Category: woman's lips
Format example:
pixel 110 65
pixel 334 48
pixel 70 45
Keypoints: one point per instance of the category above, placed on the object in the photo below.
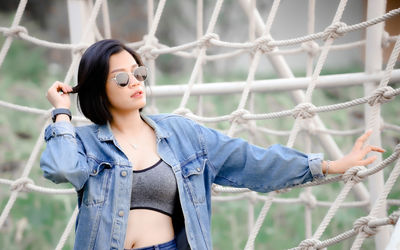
pixel 137 94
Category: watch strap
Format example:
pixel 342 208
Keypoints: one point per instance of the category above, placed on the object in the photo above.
pixel 60 111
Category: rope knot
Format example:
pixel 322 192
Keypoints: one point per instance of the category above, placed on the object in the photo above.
pixel 309 127
pixel 205 41
pixel 385 39
pixel 263 44
pixel 304 110
pixel 361 225
pixel 182 111
pixel 214 190
pixel 334 30
pixel 381 95
pixel 394 217
pixel 79 48
pixel 237 116
pixel 311 47
pixel 397 149
pixel 147 50
pixel 150 40
pixel 308 199
pixel 352 174
pixel 309 244
pixel 15 31
pixel 283 190
pixel 20 184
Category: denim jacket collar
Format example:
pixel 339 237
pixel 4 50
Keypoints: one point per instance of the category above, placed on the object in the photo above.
pixel 105 133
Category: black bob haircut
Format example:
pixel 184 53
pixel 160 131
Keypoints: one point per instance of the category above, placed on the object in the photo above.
pixel 92 78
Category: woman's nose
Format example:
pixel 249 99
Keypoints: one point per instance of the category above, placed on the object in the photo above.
pixel 133 82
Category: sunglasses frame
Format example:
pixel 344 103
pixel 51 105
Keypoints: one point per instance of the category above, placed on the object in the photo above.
pixel 129 79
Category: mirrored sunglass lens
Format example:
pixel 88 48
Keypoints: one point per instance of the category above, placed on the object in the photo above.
pixel 140 73
pixel 122 79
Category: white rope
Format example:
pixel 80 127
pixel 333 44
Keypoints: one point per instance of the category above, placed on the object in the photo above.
pixel 261 47
pixel 390 220
pixel 377 206
pixel 332 210
pixel 19 184
pixel 68 229
pixel 19 32
pixel 302 110
pixel 331 33
pixel 14 25
pixel 201 53
pixel 77 53
pixel 106 20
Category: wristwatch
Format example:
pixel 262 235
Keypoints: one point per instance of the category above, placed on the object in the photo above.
pixel 56 112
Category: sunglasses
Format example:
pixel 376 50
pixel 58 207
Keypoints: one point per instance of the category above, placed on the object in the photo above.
pixel 122 78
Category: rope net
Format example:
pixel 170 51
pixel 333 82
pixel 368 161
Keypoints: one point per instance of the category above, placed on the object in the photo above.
pixel 307 116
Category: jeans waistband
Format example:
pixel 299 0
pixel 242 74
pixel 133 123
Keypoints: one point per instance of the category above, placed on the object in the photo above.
pixel 170 245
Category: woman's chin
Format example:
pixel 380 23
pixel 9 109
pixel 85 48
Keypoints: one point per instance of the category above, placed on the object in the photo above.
pixel 140 105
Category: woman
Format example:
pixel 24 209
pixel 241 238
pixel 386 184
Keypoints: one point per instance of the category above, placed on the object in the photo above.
pixel 145 181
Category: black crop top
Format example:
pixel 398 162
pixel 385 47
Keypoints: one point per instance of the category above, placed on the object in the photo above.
pixel 155 188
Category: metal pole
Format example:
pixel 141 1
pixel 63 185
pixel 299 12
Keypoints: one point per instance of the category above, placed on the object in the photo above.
pixel 373 64
pixel 78 16
pixel 272 85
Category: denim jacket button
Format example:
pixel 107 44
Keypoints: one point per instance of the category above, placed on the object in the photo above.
pixel 94 171
pixel 121 213
pixel 198 169
pixel 123 173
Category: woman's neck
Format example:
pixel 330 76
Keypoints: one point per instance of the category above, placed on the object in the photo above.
pixel 128 124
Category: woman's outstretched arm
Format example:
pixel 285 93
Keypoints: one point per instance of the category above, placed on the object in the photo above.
pixel 235 162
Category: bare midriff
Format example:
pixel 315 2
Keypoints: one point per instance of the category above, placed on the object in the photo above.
pixel 147 228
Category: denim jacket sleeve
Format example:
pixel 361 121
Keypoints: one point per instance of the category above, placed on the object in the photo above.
pixel 237 163
pixel 64 159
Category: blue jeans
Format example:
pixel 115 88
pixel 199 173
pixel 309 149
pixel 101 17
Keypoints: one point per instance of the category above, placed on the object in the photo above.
pixel 170 245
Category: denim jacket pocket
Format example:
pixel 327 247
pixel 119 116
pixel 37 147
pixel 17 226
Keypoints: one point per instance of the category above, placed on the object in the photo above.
pixel 193 173
pixel 97 186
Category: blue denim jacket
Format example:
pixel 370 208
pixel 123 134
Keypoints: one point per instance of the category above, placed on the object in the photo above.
pixel 90 158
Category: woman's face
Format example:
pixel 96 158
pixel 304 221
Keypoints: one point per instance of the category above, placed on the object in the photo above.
pixel 130 97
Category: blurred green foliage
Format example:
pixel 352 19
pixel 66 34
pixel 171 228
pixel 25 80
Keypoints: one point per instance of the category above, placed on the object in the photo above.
pixel 21 66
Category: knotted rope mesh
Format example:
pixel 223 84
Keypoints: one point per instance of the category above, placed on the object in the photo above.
pixel 305 113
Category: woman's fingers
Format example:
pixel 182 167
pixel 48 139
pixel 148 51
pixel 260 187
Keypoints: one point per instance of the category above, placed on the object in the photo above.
pixel 362 139
pixel 377 149
pixel 367 161
pixel 65 89
pixel 59 86
pixel 370 148
pixel 359 151
pixel 58 96
pixel 55 87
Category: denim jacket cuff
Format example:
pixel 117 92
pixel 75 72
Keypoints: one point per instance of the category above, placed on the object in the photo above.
pixel 315 164
pixel 58 129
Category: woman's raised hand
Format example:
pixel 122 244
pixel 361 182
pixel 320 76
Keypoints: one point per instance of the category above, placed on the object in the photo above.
pixel 355 157
pixel 58 95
